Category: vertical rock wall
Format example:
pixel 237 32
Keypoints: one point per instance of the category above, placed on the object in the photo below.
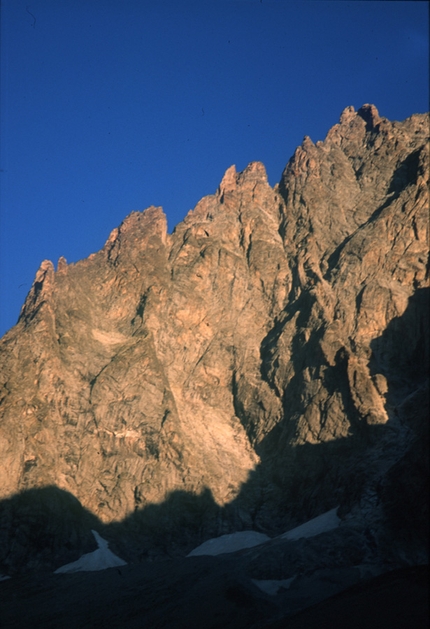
pixel 247 370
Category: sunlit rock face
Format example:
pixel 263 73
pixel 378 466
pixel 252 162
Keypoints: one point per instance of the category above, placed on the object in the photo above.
pixel 250 370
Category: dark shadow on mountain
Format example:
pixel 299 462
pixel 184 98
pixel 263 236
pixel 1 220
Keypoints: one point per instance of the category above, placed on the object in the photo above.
pixel 398 599
pixel 406 173
pixel 401 354
pixel 48 527
pixel 317 477
pixel 167 529
pixel 44 529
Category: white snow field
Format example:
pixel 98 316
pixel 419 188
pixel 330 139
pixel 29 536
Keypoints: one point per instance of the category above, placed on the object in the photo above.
pixel 229 543
pixel 272 586
pixel 99 559
pixel 321 524
pixel 247 539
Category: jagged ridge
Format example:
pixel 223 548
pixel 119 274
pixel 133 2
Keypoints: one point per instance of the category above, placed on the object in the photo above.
pixel 250 360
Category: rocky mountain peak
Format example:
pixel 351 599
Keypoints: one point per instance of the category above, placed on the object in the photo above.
pixel 40 292
pixel 370 115
pixel 262 364
pixel 139 230
pixel 229 181
pixel 347 115
pixel 234 183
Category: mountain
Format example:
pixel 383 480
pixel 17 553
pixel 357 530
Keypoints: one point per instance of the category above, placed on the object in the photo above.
pixel 261 365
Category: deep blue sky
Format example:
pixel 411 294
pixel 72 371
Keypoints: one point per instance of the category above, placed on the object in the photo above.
pixel 110 106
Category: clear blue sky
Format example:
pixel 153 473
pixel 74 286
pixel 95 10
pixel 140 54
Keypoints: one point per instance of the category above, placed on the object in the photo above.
pixel 109 106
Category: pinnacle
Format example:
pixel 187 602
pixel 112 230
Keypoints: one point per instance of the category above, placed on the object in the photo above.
pixel 229 181
pixel 370 115
pixel 255 171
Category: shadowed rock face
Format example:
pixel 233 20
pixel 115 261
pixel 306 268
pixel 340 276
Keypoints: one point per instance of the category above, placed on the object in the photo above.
pixel 257 363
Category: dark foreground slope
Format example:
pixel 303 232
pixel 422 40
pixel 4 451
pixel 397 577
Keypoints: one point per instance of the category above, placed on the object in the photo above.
pixel 211 593
pixel 266 362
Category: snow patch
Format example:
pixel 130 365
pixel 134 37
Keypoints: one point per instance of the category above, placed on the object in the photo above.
pixel 321 524
pixel 272 586
pixel 3 577
pixel 99 559
pixel 247 539
pixel 229 543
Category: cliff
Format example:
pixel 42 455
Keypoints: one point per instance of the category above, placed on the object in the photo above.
pixel 262 364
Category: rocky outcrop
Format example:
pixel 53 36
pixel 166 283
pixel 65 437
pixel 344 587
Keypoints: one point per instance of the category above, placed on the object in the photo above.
pixel 250 370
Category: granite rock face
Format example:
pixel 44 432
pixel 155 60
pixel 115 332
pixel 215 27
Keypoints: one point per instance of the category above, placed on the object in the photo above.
pixel 263 363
